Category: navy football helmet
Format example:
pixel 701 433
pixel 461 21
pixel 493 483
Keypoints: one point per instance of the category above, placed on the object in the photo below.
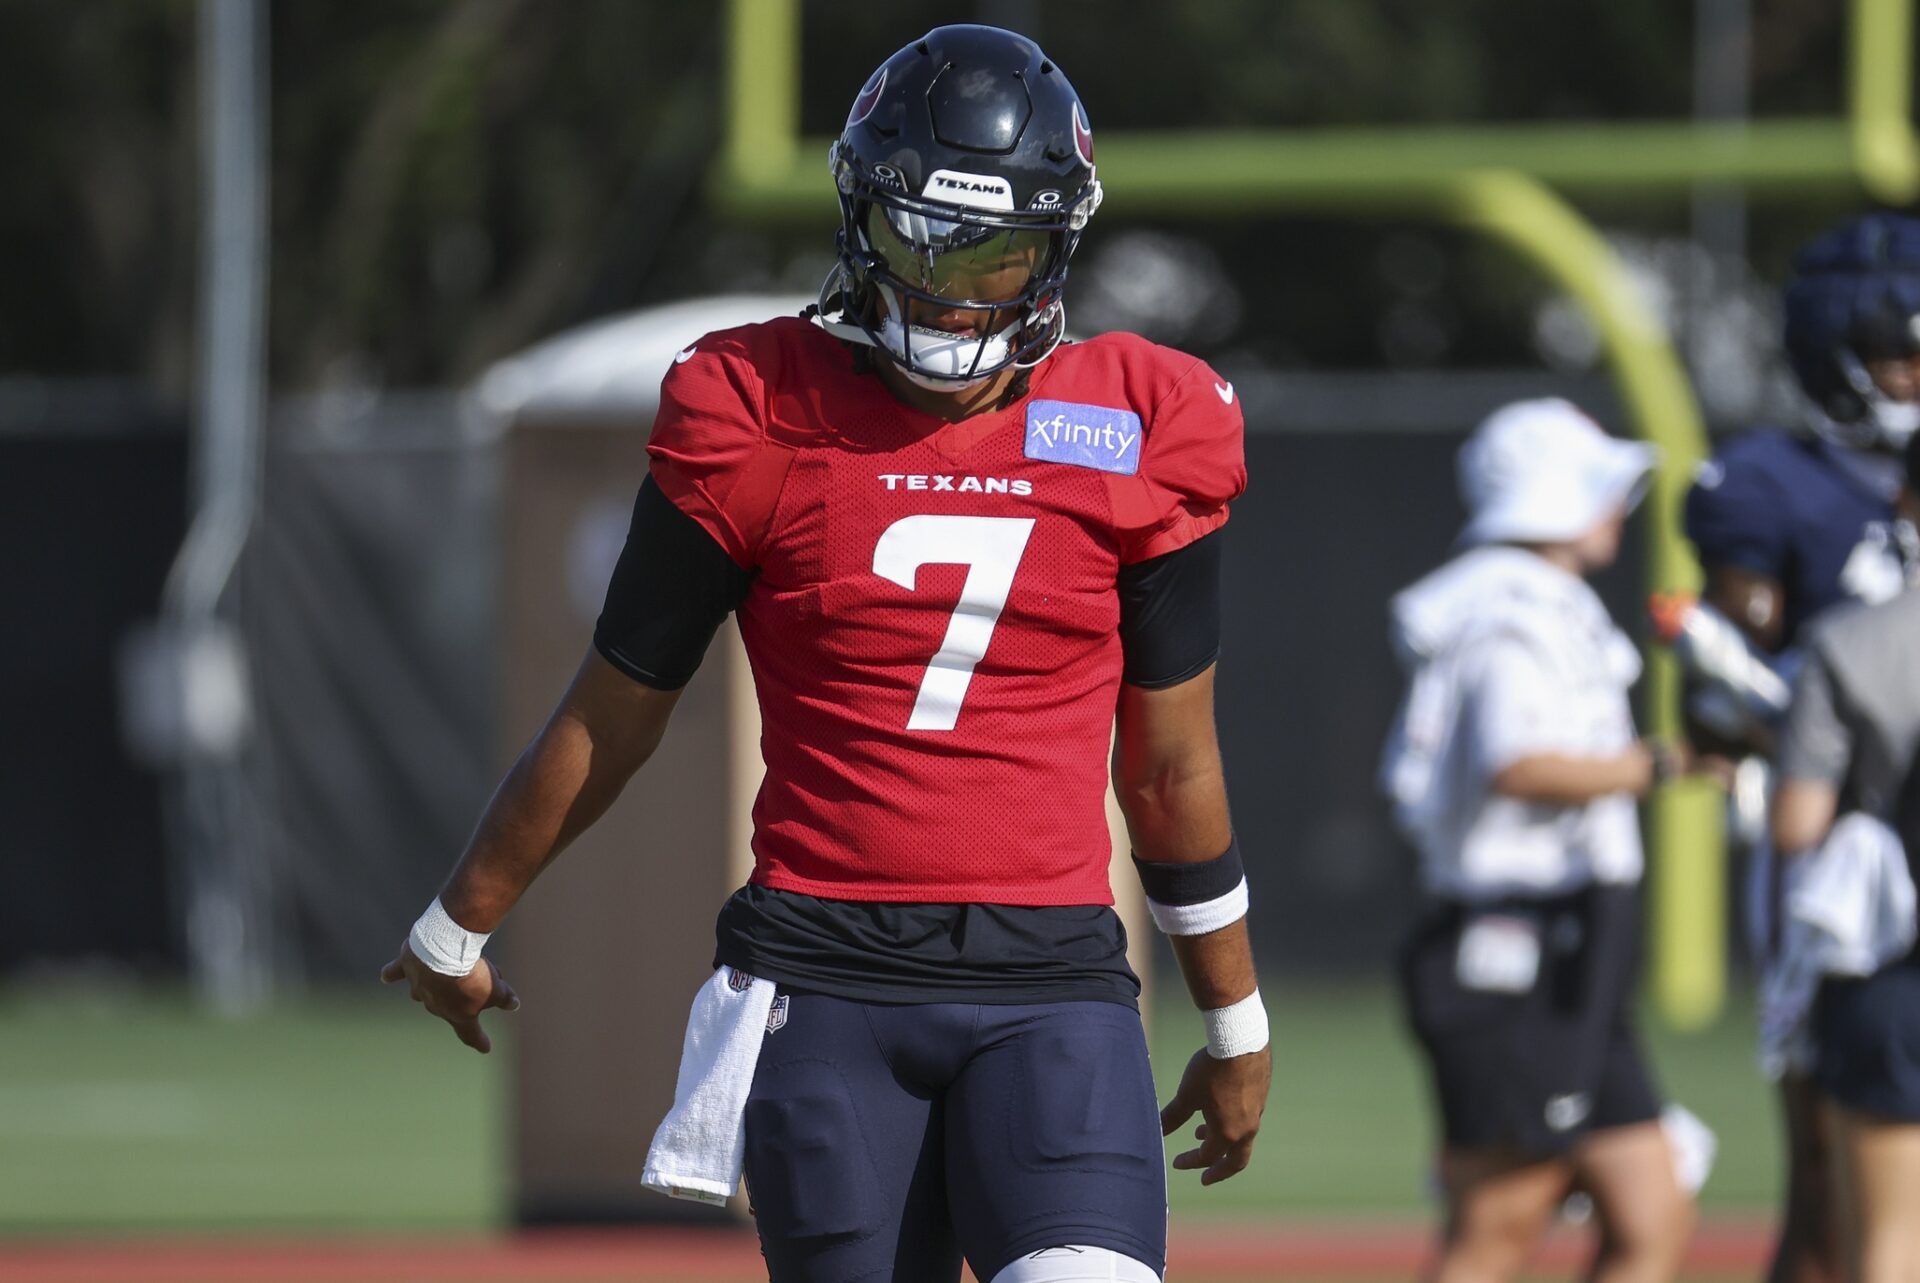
pixel 965 174
pixel 1855 298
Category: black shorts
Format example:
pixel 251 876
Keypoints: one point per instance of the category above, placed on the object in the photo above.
pixel 888 1141
pixel 1534 1068
pixel 1867 1034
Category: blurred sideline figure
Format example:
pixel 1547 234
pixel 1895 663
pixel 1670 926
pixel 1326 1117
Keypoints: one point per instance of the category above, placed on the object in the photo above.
pixel 1787 525
pixel 1514 768
pixel 955 547
pixel 1847 816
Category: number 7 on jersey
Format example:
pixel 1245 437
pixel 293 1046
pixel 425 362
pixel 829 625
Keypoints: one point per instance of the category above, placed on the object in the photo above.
pixel 990 548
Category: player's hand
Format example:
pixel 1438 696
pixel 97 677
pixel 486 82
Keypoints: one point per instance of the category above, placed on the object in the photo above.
pixel 1717 767
pixel 458 1000
pixel 1229 1095
pixel 1687 761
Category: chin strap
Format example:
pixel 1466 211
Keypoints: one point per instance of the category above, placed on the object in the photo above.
pixel 1887 423
pixel 830 308
pixel 830 314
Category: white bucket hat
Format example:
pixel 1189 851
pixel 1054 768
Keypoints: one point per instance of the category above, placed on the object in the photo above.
pixel 1543 472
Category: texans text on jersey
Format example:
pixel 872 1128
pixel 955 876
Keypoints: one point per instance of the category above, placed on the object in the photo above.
pixel 957 484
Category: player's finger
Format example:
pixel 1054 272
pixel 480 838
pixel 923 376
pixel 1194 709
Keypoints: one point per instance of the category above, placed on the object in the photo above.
pixel 503 995
pixel 1206 1155
pixel 1232 1164
pixel 470 1032
pixel 1177 1112
pixel 1200 1132
pixel 392 971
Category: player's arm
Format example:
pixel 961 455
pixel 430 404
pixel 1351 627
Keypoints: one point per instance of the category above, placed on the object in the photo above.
pixel 1736 517
pixel 1753 600
pixel 670 591
pixel 1524 747
pixel 1563 779
pixel 1816 751
pixel 604 728
pixel 1172 791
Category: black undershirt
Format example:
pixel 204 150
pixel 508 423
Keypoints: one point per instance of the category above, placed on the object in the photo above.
pixel 671 590
pixel 876 952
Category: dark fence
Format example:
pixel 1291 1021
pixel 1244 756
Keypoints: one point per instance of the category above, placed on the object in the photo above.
pixel 92 506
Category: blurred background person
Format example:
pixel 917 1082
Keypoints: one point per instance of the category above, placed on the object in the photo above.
pixel 1787 524
pixel 1514 768
pixel 1847 815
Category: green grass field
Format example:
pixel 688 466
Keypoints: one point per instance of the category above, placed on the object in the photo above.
pixel 351 1111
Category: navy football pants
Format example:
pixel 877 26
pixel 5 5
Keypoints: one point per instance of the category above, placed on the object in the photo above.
pixel 883 1142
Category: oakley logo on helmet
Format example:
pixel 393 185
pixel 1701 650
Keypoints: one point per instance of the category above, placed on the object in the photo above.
pixel 1048 199
pixel 888 175
pixel 979 191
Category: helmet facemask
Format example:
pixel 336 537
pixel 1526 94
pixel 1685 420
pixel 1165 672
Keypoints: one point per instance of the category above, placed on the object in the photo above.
pixel 951 294
pixel 1887 424
pixel 1889 331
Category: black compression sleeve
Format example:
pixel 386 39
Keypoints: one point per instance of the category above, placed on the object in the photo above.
pixel 1170 614
pixel 670 591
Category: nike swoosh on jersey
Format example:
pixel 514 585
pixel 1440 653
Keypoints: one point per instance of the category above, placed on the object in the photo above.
pixel 1226 392
pixel 683 356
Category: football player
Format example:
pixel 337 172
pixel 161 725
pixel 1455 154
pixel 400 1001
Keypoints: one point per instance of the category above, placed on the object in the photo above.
pixel 1790 524
pixel 1849 805
pixel 958 548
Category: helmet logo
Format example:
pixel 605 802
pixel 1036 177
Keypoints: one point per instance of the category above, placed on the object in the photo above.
pixel 869 97
pixel 980 191
pixel 1082 135
pixel 1048 199
pixel 888 176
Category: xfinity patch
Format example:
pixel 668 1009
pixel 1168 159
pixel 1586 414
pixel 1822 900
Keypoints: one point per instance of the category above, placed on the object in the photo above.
pixel 1084 436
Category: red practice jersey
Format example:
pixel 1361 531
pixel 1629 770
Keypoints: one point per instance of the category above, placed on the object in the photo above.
pixel 933 625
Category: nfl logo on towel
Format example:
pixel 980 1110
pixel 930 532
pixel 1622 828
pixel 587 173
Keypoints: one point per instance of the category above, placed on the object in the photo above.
pixel 738 980
pixel 777 1014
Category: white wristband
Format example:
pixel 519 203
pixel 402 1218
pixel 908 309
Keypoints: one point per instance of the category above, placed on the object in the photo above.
pixel 443 944
pixel 1239 1030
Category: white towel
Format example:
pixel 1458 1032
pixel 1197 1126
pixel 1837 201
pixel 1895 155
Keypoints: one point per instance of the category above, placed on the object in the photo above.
pixel 701 1145
pixel 1858 896
pixel 1694 1146
pixel 1849 912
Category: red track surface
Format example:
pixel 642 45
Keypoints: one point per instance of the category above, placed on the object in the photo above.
pixel 1229 1252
